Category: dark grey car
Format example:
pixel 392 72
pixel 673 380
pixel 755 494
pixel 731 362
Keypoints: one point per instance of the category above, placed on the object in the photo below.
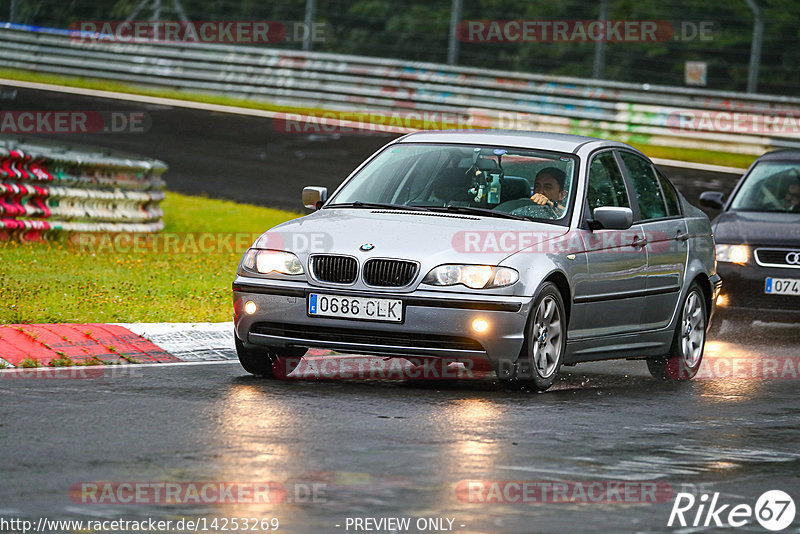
pixel 758 241
pixel 434 248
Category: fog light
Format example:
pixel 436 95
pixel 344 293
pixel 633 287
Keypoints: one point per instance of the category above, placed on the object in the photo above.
pixel 722 301
pixel 250 307
pixel 480 325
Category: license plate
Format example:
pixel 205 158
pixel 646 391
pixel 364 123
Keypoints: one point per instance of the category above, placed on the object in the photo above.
pixel 369 309
pixel 782 286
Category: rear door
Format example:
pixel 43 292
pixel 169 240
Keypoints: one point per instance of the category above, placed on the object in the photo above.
pixel 658 212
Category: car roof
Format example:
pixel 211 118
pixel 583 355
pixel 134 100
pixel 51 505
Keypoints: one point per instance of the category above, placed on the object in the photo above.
pixel 782 154
pixel 517 138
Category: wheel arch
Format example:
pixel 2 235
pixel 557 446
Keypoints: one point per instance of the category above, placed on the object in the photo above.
pixel 702 280
pixel 562 283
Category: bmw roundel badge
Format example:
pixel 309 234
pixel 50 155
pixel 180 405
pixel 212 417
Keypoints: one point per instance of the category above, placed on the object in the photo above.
pixel 366 247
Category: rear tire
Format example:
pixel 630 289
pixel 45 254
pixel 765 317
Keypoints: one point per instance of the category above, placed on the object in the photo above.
pixel 545 343
pixel 686 353
pixel 265 361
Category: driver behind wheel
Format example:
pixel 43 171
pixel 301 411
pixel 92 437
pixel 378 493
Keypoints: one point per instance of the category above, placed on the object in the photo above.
pixel 792 197
pixel 548 189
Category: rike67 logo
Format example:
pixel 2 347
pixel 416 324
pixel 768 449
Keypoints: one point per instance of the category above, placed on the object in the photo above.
pixel 774 510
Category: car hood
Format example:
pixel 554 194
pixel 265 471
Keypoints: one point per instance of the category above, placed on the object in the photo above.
pixel 757 228
pixel 431 238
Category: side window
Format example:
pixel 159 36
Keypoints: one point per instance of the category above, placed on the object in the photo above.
pixel 606 186
pixel 645 186
pixel 673 206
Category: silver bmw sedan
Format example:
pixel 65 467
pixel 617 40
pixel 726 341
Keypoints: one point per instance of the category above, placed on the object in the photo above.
pixel 524 250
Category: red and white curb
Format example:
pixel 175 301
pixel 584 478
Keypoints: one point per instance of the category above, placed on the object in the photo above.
pixel 189 342
pixel 63 351
pixel 43 345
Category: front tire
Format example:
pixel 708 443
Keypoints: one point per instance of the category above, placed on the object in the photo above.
pixel 686 353
pixel 265 361
pixel 545 342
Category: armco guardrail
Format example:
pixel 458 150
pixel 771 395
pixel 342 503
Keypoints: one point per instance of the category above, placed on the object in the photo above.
pixel 655 115
pixel 45 188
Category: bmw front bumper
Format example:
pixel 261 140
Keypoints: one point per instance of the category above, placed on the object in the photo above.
pixel 435 323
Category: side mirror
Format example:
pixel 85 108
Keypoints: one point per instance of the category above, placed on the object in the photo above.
pixel 314 196
pixel 712 199
pixel 612 218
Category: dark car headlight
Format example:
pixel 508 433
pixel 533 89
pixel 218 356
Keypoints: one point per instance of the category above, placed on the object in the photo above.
pixel 733 253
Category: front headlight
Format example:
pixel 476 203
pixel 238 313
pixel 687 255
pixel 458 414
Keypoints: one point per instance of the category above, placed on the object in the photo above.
pixel 733 253
pixel 472 276
pixel 272 261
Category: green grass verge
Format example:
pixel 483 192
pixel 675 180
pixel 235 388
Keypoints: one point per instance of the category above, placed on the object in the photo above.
pixel 727 159
pixel 679 154
pixel 60 281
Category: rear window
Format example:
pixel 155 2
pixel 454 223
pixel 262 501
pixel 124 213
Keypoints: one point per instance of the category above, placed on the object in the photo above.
pixel 646 186
pixel 670 196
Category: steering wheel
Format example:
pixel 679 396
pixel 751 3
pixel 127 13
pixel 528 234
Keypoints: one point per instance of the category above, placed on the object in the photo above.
pixel 528 208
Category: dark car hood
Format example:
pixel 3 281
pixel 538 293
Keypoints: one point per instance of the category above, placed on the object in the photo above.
pixel 757 228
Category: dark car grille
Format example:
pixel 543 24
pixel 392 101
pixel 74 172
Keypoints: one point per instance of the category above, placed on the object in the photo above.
pixel 366 337
pixel 777 257
pixel 389 273
pixel 335 269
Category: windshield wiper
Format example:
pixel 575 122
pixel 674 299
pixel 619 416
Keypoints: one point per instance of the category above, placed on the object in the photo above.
pixel 482 211
pixel 379 205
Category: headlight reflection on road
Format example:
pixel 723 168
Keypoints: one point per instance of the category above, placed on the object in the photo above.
pixel 729 374
pixel 468 419
pixel 254 428
pixel 473 446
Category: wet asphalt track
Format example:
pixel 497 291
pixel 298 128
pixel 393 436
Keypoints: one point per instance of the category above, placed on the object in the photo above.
pixel 388 449
pixel 382 449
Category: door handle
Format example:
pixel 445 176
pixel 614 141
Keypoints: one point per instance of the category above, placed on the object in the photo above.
pixel 682 237
pixel 637 243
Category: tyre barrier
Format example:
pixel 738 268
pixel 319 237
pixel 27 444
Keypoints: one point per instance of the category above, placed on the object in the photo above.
pixel 641 113
pixel 48 189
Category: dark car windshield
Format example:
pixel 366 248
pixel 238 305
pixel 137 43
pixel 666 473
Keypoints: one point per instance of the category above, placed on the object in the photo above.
pixel 770 186
pixel 448 177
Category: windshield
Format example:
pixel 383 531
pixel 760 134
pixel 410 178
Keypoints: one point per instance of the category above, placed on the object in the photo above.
pixel 770 186
pixel 496 180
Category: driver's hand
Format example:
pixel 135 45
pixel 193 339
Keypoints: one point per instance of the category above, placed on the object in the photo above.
pixel 542 200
